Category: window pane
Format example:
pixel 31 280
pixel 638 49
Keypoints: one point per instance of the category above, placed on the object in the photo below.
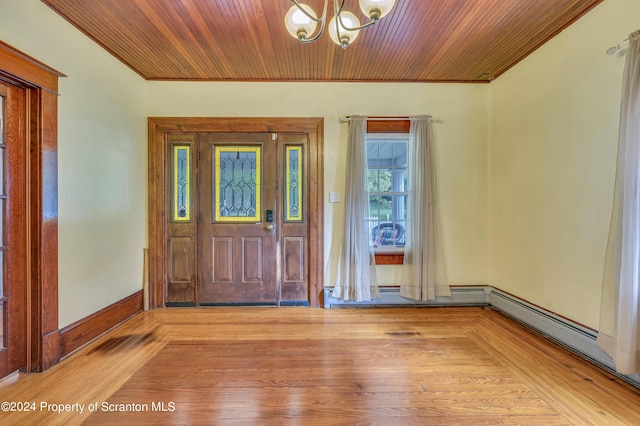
pixel 384 207
pixel 2 101
pixel 399 180
pixel 2 141
pixel 237 184
pixel 2 224
pixel 2 156
pixel 372 227
pixel 181 184
pixel 385 180
pixel 293 188
pixel 400 154
pixel 388 234
pixel 399 207
pixel 372 180
pixel 3 205
pixel 374 207
pixel 386 153
pixel 2 316
pixel 372 154
pixel 402 232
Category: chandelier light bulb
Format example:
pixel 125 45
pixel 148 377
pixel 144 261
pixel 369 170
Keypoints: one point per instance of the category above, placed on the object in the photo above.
pixel 298 24
pixel 346 36
pixel 376 9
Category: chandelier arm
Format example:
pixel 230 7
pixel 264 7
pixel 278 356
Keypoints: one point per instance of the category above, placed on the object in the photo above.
pixel 338 12
pixel 308 15
pixel 322 20
pixel 317 36
pixel 368 24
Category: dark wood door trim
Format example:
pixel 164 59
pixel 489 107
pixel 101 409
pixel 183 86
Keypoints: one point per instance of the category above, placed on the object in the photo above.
pixel 40 166
pixel 160 127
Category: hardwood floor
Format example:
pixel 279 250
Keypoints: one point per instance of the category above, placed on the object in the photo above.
pixel 314 366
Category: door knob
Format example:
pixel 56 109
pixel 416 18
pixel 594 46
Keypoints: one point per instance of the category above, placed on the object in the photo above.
pixel 270 227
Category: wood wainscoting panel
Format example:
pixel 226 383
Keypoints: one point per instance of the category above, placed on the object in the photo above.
pixel 87 329
pixel 294 282
pixel 293 259
pixel 252 257
pixel 182 275
pixel 180 252
pixel 222 261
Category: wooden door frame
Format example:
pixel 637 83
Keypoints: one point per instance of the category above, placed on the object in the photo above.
pixel 40 166
pixel 160 127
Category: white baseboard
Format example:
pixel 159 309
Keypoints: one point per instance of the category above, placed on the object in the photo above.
pixel 573 336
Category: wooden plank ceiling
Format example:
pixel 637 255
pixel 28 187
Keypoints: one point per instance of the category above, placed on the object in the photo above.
pixel 245 40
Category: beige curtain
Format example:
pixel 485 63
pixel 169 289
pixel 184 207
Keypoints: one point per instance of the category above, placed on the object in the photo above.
pixel 619 333
pixel 424 274
pixel 357 268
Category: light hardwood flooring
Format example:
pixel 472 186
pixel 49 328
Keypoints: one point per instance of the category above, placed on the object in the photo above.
pixel 302 366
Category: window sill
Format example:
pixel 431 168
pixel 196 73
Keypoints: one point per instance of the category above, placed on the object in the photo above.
pixel 389 258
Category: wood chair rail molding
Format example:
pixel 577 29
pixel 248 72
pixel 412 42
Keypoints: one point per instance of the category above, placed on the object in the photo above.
pixel 40 83
pixel 159 127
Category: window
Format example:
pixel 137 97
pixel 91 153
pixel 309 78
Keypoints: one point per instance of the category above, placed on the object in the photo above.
pixel 387 185
pixel 181 183
pixel 293 205
pixel 236 187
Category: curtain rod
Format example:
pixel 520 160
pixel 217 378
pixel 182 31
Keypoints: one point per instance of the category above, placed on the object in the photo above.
pixel 382 118
pixel 615 49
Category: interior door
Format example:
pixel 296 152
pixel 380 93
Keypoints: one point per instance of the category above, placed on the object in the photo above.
pixel 13 334
pixel 238 223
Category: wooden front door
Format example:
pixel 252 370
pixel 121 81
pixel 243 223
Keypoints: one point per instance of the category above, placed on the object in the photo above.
pixel 238 219
pixel 239 233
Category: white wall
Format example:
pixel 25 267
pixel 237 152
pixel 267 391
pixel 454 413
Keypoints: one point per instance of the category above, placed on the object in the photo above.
pixel 102 159
pixel 553 151
pixel 461 143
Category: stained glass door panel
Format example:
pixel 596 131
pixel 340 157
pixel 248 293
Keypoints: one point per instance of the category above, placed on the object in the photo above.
pixel 237 183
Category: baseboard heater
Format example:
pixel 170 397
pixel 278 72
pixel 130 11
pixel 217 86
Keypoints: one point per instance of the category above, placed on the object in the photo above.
pixel 390 296
pixel 575 337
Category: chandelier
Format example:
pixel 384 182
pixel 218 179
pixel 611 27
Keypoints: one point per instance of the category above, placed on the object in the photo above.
pixel 301 21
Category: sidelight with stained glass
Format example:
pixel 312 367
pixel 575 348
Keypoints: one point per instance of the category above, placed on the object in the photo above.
pixel 236 186
pixel 181 184
pixel 293 201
